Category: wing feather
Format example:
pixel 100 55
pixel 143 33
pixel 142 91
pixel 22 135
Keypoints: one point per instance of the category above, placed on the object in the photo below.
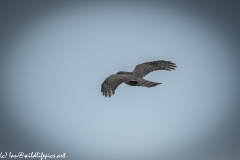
pixel 111 83
pixel 143 69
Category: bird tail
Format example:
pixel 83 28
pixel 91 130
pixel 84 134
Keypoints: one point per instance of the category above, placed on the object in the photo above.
pixel 146 83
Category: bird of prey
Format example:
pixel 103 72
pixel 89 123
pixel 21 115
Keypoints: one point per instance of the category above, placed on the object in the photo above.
pixel 135 78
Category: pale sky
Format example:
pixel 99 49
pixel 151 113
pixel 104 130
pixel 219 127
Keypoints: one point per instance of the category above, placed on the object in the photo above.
pixel 56 66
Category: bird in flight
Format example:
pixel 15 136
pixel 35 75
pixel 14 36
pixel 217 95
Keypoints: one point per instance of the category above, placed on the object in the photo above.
pixel 135 78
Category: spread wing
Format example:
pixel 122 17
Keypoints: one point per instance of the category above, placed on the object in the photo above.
pixel 143 69
pixel 112 82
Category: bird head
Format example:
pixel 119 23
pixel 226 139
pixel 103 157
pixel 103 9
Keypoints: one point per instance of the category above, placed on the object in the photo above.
pixel 121 72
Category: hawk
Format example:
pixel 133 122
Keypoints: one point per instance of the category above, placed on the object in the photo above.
pixel 135 78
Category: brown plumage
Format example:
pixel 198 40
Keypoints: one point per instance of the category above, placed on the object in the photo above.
pixel 135 78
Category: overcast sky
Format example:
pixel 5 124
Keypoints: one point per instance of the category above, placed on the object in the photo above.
pixel 55 66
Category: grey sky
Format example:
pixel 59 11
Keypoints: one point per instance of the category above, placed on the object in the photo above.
pixel 55 68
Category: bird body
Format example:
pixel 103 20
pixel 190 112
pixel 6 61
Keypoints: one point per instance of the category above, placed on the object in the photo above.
pixel 135 78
